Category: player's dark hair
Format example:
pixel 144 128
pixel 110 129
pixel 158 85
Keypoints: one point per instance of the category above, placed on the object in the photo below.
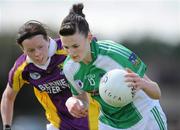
pixel 74 21
pixel 30 29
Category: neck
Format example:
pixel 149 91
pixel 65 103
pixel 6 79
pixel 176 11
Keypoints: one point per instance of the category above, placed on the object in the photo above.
pixel 88 58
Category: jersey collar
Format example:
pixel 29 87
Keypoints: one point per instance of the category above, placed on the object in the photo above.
pixel 94 50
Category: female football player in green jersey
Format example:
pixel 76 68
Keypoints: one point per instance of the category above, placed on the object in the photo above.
pixel 86 63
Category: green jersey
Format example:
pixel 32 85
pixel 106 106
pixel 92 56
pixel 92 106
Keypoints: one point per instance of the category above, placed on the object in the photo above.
pixel 108 55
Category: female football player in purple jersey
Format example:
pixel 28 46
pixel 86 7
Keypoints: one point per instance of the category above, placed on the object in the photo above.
pixel 40 65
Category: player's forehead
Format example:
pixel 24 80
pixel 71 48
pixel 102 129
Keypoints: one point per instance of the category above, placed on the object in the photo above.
pixel 71 40
pixel 34 41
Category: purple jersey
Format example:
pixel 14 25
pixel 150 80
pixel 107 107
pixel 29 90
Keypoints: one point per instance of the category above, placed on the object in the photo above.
pixel 51 88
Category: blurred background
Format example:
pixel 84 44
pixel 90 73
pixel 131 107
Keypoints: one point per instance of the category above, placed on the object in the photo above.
pixel 151 28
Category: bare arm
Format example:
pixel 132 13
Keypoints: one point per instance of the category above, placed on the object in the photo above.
pixel 78 105
pixel 150 87
pixel 7 105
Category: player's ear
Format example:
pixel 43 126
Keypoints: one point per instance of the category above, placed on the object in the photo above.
pixel 89 37
pixel 25 52
pixel 22 48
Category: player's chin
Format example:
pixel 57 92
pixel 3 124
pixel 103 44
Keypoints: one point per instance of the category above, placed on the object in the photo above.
pixel 82 115
pixel 40 61
pixel 79 115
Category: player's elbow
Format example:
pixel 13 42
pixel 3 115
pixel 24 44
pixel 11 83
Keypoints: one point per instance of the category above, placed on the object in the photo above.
pixel 156 94
pixel 9 95
pixel 156 91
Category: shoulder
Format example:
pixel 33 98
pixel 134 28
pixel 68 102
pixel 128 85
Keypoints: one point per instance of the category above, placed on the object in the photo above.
pixel 20 63
pixel 19 66
pixel 70 67
pixel 16 72
pixel 60 50
pixel 59 43
pixel 108 43
pixel 112 45
pixel 111 48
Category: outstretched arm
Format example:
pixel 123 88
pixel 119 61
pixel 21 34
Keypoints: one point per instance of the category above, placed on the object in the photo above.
pixel 7 105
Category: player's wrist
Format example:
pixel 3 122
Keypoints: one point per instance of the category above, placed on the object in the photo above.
pixel 6 127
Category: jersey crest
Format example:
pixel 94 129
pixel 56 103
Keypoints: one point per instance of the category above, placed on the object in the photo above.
pixel 133 58
pixel 79 84
pixel 35 75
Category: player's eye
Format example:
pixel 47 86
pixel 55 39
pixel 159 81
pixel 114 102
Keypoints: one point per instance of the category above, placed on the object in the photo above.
pixel 65 47
pixel 40 47
pixel 31 50
pixel 75 46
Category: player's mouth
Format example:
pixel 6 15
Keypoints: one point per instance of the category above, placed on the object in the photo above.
pixel 74 57
pixel 40 61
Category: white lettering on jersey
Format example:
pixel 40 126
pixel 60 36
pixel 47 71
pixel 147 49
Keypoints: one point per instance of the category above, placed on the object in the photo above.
pixel 54 87
pixel 91 79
